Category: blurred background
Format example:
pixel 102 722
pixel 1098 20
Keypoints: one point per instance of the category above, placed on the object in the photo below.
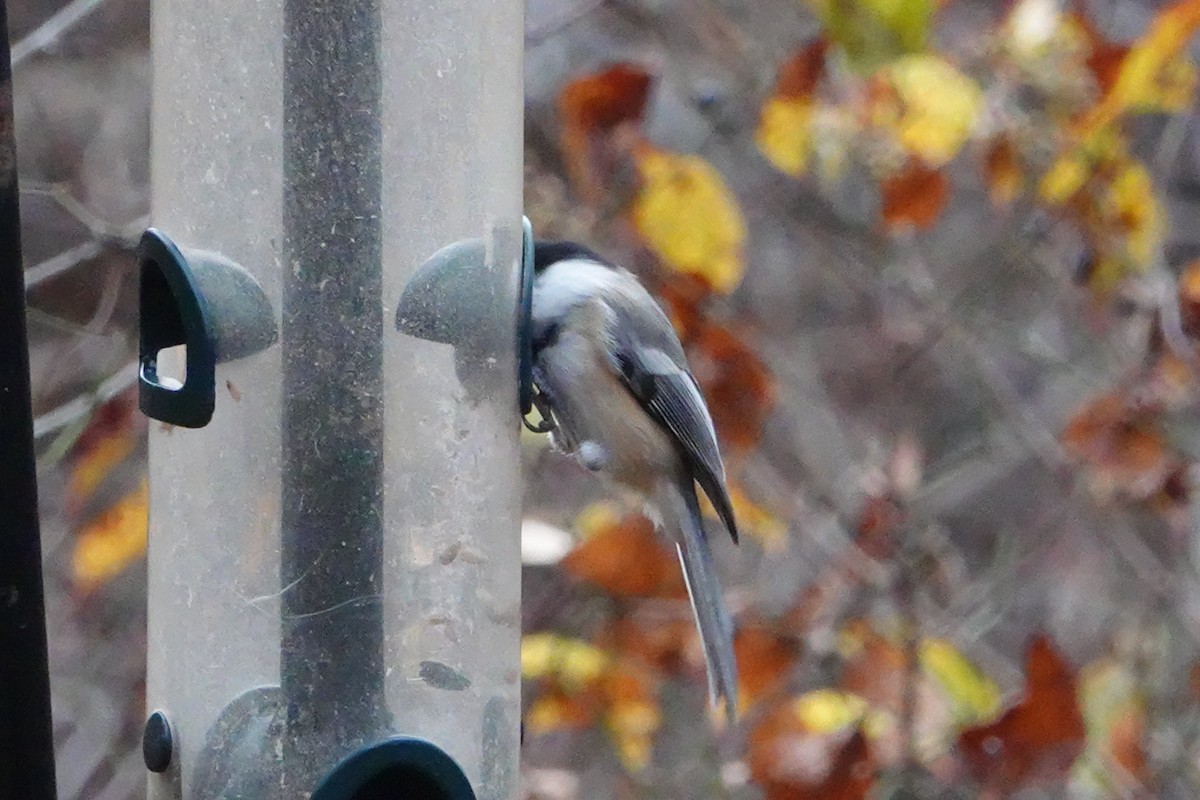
pixel 936 264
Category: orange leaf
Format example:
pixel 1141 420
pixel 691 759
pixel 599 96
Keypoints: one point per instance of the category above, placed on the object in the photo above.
pixel 1124 744
pixel 800 74
pixel 604 99
pixel 1036 740
pixel 112 541
pixel 1104 56
pixel 1124 454
pixel 1189 298
pixel 661 644
pixel 632 716
pixel 765 659
pixel 628 559
pixel 592 106
pixel 914 196
pixel 556 709
pixel 790 762
pixel 875 668
pixel 739 389
pixel 112 433
pixel 1002 166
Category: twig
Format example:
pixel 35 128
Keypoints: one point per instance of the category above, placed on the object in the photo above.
pixel 46 35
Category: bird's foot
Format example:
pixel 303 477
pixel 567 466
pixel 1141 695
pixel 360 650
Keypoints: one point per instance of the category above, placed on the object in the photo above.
pixel 542 404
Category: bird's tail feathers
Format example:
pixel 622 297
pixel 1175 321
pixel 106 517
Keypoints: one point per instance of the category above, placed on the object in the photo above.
pixel 708 605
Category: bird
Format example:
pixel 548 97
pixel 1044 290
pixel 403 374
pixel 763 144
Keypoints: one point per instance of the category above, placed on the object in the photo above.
pixel 615 392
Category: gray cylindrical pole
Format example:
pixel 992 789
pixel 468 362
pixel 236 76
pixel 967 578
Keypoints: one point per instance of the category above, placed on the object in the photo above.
pixel 334 559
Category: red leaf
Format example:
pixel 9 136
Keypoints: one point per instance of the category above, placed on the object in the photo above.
pixel 914 196
pixel 591 107
pixel 800 74
pixel 1036 740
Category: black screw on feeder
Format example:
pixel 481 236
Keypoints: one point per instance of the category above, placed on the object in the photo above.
pixel 158 745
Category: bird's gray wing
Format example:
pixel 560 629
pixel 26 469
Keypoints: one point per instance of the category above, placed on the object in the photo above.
pixel 672 398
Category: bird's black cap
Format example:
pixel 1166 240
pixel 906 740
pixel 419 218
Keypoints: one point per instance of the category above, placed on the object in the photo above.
pixel 547 252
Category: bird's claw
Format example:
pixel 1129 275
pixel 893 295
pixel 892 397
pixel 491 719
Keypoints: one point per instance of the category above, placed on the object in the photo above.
pixel 542 404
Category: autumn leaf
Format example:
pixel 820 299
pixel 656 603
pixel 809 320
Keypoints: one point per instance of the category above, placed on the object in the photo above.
pixel 914 196
pixel 1112 196
pixel 764 527
pixel 689 218
pixel 1124 454
pixel 1154 75
pixel 878 526
pixel 112 541
pixel 1039 738
pixel 874 668
pixel 1130 204
pixel 811 749
pixel 1189 299
pixel 975 697
pixel 872 32
pixel 1105 57
pixel 928 104
pixel 765 659
pixel 632 717
pixel 590 107
pixel 582 685
pixel 554 709
pixel 784 134
pixel 950 692
pixel 1003 170
pixel 669 645
pixel 737 385
pixel 113 433
pixel 625 557
pixel 573 662
pixel 1115 716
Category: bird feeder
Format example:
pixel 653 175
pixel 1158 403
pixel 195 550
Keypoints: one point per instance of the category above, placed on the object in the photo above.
pixel 334 601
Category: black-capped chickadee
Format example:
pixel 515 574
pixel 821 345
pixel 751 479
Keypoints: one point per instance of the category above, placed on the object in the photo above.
pixel 613 381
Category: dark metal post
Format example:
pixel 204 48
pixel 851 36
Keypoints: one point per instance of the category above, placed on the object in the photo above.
pixel 332 532
pixel 26 733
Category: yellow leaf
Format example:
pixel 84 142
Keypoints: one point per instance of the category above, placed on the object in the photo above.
pixel 632 724
pixel 829 710
pixel 871 32
pixel 1076 165
pixel 974 695
pixel 554 711
pixel 689 217
pixel 91 469
pixel 1065 177
pixel 933 109
pixel 1154 75
pixel 572 661
pixel 112 541
pixel 1131 203
pixel 784 135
